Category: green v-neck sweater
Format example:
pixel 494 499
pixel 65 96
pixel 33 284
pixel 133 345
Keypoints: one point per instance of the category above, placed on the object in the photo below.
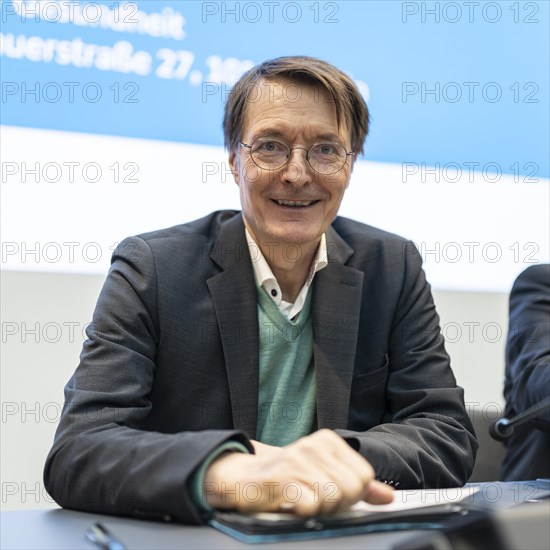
pixel 286 399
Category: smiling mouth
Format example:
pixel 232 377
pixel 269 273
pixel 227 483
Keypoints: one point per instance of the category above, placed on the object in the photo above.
pixel 295 204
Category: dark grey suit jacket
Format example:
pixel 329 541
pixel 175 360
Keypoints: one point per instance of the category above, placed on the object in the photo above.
pixel 170 368
pixel 528 374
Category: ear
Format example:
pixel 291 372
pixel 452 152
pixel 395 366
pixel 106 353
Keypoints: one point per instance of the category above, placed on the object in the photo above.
pixel 234 165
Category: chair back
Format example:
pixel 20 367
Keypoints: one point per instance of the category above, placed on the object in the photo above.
pixel 490 453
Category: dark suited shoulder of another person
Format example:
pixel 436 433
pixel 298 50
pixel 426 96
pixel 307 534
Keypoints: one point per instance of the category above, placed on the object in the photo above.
pixel 528 374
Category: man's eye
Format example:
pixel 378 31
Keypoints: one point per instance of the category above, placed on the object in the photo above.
pixel 268 147
pixel 327 149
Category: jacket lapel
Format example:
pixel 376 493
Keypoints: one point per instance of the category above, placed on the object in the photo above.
pixel 336 305
pixel 233 292
pixel 337 291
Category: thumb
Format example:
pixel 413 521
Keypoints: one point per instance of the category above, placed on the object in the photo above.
pixel 378 493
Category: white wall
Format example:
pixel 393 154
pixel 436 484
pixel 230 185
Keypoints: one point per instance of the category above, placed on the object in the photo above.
pixel 476 232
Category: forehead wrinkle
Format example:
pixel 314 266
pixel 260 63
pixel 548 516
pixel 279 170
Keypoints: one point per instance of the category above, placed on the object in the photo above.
pixel 287 121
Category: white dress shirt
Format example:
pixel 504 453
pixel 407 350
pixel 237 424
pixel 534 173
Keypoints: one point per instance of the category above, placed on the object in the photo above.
pixel 265 278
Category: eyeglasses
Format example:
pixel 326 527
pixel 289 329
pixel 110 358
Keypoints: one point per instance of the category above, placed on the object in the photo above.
pixel 271 154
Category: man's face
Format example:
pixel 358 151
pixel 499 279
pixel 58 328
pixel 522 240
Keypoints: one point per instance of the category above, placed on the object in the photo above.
pixel 301 116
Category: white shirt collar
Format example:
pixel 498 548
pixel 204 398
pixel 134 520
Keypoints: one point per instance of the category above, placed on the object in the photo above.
pixel 265 278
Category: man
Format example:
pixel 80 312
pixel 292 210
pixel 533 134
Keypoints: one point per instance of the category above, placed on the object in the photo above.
pixel 274 359
pixel 527 379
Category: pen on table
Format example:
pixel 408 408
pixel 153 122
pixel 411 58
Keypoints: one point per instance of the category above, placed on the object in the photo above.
pixel 103 538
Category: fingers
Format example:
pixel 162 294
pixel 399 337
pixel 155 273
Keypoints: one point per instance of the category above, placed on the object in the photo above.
pixel 378 493
pixel 318 474
pixel 333 475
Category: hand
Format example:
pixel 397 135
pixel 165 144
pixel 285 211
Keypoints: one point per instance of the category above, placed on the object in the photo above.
pixel 318 474
pixel 263 449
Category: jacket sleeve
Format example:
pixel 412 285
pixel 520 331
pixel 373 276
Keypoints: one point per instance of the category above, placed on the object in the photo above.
pixel 101 461
pixel 528 346
pixel 426 438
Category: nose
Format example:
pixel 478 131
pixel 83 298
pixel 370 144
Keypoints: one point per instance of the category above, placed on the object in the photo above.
pixel 297 171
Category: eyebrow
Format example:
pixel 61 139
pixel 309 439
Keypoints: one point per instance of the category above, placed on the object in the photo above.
pixel 279 134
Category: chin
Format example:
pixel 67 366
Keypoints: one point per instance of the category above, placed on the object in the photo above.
pixel 294 236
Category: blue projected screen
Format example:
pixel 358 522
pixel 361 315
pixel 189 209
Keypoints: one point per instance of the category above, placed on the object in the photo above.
pixel 111 122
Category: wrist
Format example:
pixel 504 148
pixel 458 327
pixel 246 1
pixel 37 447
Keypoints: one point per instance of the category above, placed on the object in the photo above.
pixel 220 489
